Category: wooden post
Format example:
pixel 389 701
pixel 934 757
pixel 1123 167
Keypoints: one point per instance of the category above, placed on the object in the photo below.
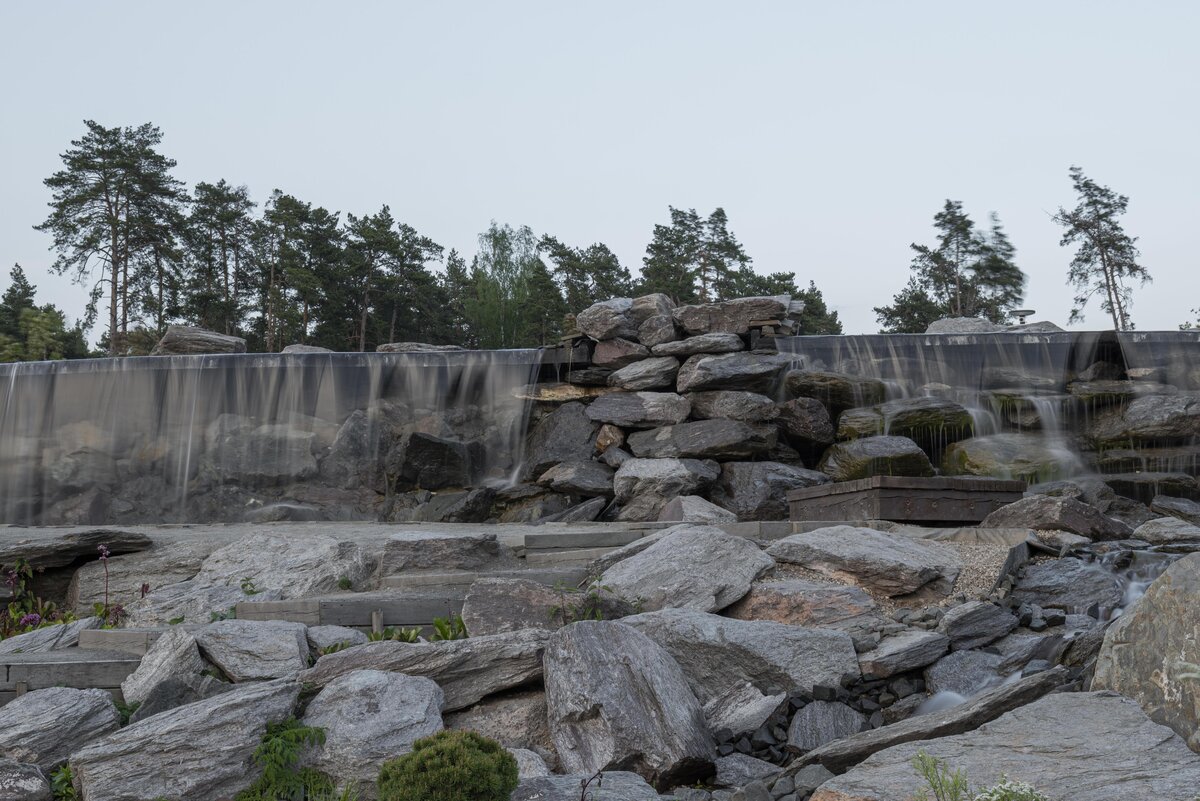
pixel 377 621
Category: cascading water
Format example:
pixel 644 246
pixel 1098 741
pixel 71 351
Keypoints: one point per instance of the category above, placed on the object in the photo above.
pixel 201 438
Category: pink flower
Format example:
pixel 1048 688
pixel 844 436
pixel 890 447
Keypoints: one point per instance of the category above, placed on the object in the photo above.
pixel 103 549
pixel 31 619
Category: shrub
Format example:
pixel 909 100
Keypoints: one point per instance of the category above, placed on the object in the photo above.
pixel 1008 790
pixel 450 766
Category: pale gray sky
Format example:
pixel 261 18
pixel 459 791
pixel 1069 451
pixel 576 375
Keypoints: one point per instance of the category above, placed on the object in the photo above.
pixel 830 132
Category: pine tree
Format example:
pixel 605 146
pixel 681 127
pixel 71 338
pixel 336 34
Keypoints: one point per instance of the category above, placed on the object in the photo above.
pixel 112 204
pixel 459 291
pixel 586 275
pixel 723 268
pixel 816 317
pixel 672 257
pixel 218 242
pixel 18 297
pixel 1106 256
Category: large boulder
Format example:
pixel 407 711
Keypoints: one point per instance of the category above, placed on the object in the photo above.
pixel 1029 457
pixel 46 548
pixel 717 653
pixel 1068 583
pixel 875 456
pixel 1150 420
pixel 758 490
pixel 731 316
pixel 1182 508
pixel 891 564
pixel 837 391
pixel 211 744
pixel 749 407
pixel 694 509
pixel 647 485
pixel 369 717
pixel 566 434
pixel 822 722
pixel 656 304
pixel 975 624
pixel 1043 512
pixel 1163 531
pixel 614 354
pixel 608 319
pixel 1152 653
pixel 450 549
pixel 514 719
pixel 426 461
pixel 191 602
pixel 963 325
pixel 751 372
pixel 798 602
pixel 23 782
pixel 932 423
pixel 616 785
pixel 254 650
pixel 805 423
pixel 653 373
pixel 703 343
pixel 902 652
pixel 44 727
pixel 586 478
pixel 174 657
pixel 639 409
pixel 49 638
pixel 297 566
pixel 703 439
pixel 499 605
pixel 241 452
pixel 188 340
pixel 696 567
pixel 1077 746
pixel 467 670
pixel 616 700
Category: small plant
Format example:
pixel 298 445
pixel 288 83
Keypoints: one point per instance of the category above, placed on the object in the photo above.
pixel 62 784
pixel 451 628
pixel 333 649
pixel 598 778
pixel 228 614
pixel 126 710
pixel 1008 790
pixel 282 778
pixel 175 621
pixel 344 583
pixel 248 587
pixel 942 783
pixel 25 611
pixel 450 766
pixel 397 635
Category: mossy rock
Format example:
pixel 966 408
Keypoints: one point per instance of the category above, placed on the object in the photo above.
pixel 861 422
pixel 837 391
pixel 1015 456
pixel 875 456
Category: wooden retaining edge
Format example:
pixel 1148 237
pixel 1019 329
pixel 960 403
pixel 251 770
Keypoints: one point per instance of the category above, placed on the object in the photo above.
pixel 422 581
pixel 359 610
pixel 69 667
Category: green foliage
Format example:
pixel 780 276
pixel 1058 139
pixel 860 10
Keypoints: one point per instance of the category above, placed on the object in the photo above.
pixel 451 628
pixel 398 635
pixel 228 614
pixel 25 611
pixel 126 710
pixel 816 317
pixel 344 583
pixel 968 273
pixel 32 333
pixel 175 621
pixel 578 604
pixel 248 587
pixel 282 778
pixel 62 784
pixel 942 784
pixel 1008 790
pixel 450 766
pixel 1106 256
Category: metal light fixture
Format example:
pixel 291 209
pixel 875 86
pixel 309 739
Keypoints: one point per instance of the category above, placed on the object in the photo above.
pixel 1022 314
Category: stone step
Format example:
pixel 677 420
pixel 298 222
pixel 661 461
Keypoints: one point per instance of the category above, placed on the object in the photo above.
pixel 358 610
pixel 454 579
pixel 69 667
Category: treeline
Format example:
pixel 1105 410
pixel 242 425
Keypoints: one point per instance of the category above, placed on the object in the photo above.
pixel 154 252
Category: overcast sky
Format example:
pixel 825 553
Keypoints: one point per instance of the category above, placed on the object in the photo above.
pixel 830 132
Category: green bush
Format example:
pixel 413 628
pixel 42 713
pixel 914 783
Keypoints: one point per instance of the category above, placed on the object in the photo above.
pixel 450 766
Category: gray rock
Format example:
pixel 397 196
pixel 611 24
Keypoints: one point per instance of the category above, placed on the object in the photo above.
pixel 749 407
pixel 608 319
pixel 639 409
pixel 190 602
pixel 1145 486
pixel 805 423
pixel 653 373
pixel 254 650
pixel 808 779
pixel 1036 327
pixel 902 652
pixel 1018 456
pixel 529 764
pixel 1181 508
pixel 164 564
pixel 730 316
pixel 305 349
pixel 587 478
pixel 22 782
pixel 566 434
pixel 704 343
pixel 186 340
pixel 702 439
pixel 1152 653
pixel 296 566
pixel 425 461
pixel 891 564
pixel 804 603
pixel 1063 514
pixel 499 605
pixel 1077 746
pixel 44 727
pixel 975 624
pixel 174 656
pixel 694 509
pixel 656 304
pixel 467 670
pixel 49 638
pixel 758 490
pixel 215 739
pixel 754 791
pixel 614 354
pixel 241 452
pixel 742 371
pixel 838 392
pixel 45 548
pixel 1068 583
pixel 515 719
pixel 822 722
pixel 1162 531
pixel 875 456
pixel 585 512
pixel 368 717
pixel 695 567
pixel 616 785
pixel 651 483
pixel 618 700
pixel 963 325
pixel 738 770
pixel 172 693
pixel 849 751
pixel 321 637
pixel 1151 420
pixel 657 330
pixel 415 347
pixel 717 653
pixel 440 550
pixel 741 708
pixel 966 673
